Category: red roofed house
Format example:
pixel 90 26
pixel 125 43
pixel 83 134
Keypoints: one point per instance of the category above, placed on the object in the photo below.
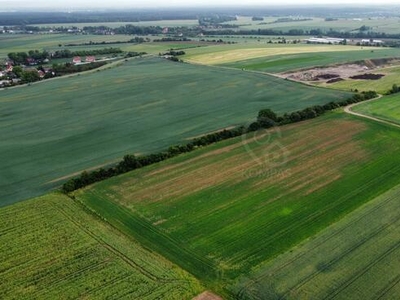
pixel 76 60
pixel 90 59
pixel 9 67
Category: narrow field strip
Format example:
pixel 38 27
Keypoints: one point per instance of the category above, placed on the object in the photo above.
pixel 64 252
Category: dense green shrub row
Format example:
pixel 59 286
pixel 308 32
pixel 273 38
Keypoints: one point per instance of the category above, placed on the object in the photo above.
pixel 266 119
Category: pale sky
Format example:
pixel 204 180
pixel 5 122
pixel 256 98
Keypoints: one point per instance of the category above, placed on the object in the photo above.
pixel 17 4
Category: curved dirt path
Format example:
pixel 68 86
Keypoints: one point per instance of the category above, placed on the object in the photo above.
pixel 348 110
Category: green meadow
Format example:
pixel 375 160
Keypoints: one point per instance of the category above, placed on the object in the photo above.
pixel 220 211
pixel 386 108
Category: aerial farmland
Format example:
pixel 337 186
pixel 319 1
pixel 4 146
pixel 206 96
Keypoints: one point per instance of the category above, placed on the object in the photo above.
pixel 199 153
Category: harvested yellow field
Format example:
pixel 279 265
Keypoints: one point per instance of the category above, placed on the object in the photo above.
pixel 233 55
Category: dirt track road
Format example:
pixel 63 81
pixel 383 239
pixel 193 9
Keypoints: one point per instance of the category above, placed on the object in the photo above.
pixel 348 110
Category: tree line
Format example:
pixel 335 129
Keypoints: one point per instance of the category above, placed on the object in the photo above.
pixel 266 119
pixel 135 40
pixel 20 58
pixel 65 53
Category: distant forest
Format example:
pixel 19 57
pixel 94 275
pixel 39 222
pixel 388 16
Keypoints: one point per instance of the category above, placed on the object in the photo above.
pixel 39 17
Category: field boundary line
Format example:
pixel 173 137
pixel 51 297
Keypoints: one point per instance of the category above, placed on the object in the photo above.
pixel 389 287
pixel 363 271
pixel 342 255
pixel 109 247
pixel 368 212
pixel 148 242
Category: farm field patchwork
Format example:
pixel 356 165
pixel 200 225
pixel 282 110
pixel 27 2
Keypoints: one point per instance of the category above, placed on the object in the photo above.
pixel 284 63
pixel 386 108
pixel 52 249
pixel 223 54
pixel 25 42
pixel 53 42
pixel 222 210
pixel 384 24
pixel 356 258
pixel 53 129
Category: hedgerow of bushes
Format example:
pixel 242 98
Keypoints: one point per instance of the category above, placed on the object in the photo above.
pixel 266 119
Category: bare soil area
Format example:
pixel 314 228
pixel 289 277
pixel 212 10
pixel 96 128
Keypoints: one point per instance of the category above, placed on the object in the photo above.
pixel 207 296
pixel 335 73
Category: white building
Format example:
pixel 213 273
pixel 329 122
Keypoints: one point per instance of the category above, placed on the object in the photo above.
pixel 328 40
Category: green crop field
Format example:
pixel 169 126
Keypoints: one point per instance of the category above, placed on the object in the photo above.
pixel 381 85
pixel 356 258
pixel 50 42
pixel 386 108
pixel 222 210
pixel 56 128
pixel 52 249
pixel 224 54
pixel 284 63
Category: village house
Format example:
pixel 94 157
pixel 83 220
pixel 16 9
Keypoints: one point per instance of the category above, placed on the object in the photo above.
pixel 90 59
pixel 9 67
pixel 76 60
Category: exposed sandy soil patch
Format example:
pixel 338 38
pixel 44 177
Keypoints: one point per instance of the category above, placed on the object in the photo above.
pixel 335 73
pixel 207 296
pixel 328 73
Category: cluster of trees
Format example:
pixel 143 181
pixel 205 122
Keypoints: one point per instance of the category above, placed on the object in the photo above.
pixel 135 40
pixel 216 19
pixel 174 52
pixel 134 54
pixel 131 162
pixel 395 89
pixel 68 68
pixel 266 118
pixel 285 20
pixel 26 76
pixel 65 53
pixel 173 39
pixel 20 58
